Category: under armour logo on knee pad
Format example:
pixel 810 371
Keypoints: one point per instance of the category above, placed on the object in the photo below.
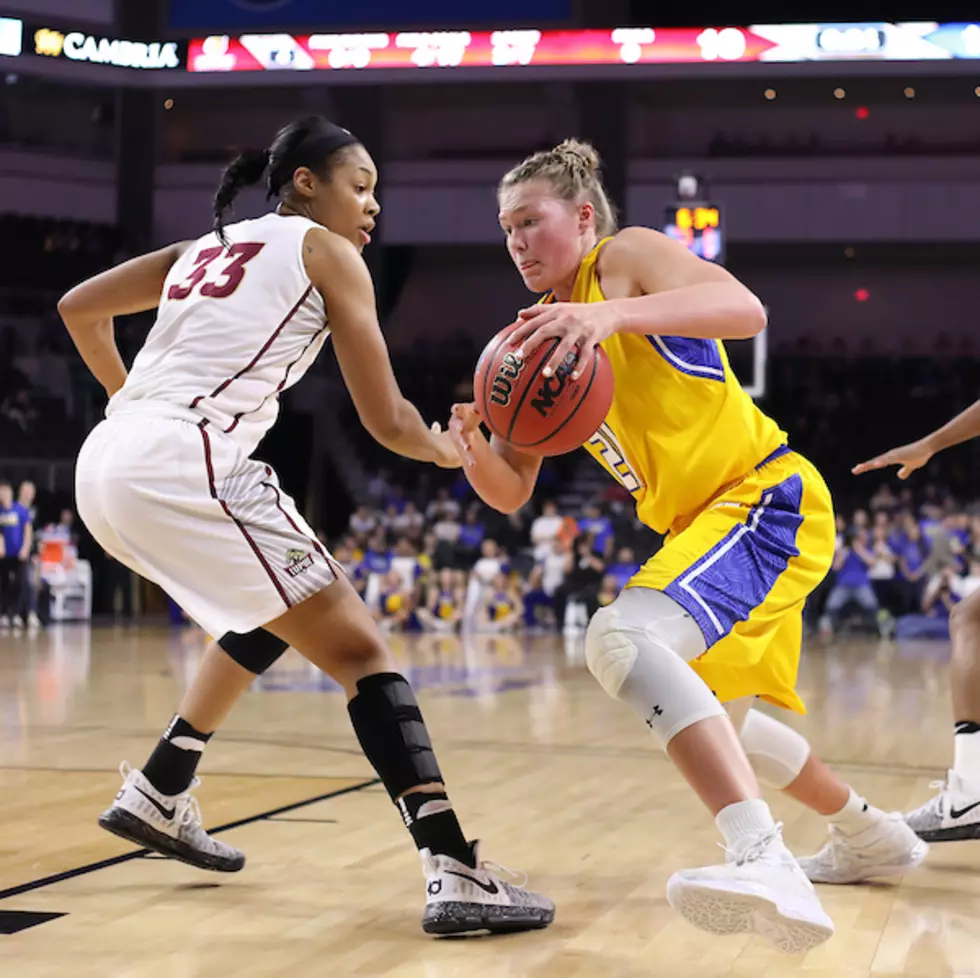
pixel 657 712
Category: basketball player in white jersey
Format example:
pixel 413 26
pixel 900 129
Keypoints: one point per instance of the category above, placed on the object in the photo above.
pixel 167 486
pixel 953 814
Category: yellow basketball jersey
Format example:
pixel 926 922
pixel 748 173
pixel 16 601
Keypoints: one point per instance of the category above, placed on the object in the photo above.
pixel 680 429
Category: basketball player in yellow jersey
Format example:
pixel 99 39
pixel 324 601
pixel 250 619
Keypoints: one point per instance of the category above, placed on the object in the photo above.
pixel 715 617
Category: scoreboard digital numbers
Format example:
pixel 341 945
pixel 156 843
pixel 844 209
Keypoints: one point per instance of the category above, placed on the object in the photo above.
pixel 699 227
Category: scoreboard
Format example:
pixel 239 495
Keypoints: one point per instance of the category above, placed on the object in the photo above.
pixel 699 227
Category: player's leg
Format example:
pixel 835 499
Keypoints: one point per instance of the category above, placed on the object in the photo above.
pixel 954 813
pixel 152 806
pixel 695 626
pixel 639 649
pixel 864 842
pixel 335 631
pixel 135 523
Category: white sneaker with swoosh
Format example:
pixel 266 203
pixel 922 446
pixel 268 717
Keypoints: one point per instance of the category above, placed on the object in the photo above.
pixel 169 825
pixel 463 900
pixel 952 815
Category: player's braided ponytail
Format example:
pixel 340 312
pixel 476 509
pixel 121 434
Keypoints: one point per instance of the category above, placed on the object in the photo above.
pixel 572 170
pixel 312 142
pixel 245 170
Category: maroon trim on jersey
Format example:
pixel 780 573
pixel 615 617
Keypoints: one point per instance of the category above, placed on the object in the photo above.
pixel 316 543
pixel 202 427
pixel 258 356
pixel 282 384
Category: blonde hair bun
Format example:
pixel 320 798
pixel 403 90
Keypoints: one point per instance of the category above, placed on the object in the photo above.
pixel 584 153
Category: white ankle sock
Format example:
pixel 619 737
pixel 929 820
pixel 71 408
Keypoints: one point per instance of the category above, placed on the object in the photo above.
pixel 856 815
pixel 966 756
pixel 744 820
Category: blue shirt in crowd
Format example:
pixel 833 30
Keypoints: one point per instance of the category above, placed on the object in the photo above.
pixel 14 521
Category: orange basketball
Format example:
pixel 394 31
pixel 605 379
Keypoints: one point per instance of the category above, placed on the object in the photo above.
pixel 536 414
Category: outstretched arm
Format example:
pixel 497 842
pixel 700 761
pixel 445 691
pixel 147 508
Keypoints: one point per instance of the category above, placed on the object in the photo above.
pixel 88 309
pixel 342 278
pixel 501 476
pixel 671 292
pixel 963 427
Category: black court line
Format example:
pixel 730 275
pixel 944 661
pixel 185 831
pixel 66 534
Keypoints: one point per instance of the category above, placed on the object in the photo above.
pixel 306 821
pixel 140 853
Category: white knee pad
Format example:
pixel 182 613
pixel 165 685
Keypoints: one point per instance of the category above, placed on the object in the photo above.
pixel 641 657
pixel 609 652
pixel 778 753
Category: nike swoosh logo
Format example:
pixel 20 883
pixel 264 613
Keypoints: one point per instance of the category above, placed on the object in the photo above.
pixel 490 887
pixel 167 813
pixel 953 813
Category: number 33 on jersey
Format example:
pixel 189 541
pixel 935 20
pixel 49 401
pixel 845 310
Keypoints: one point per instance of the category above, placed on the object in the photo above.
pixel 237 325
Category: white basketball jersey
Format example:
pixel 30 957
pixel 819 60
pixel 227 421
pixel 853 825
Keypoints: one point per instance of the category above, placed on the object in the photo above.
pixel 235 327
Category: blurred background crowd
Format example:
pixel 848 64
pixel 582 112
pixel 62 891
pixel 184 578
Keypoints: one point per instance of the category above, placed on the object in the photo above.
pixel 838 196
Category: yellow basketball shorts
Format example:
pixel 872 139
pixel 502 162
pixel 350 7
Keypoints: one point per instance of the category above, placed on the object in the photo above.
pixel 742 568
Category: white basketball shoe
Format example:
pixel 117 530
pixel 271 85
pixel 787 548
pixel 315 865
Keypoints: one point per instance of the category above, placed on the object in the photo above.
pixel 169 825
pixel 463 900
pixel 886 848
pixel 953 815
pixel 759 889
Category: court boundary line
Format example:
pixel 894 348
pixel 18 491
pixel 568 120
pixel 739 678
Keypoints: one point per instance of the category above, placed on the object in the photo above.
pixel 126 857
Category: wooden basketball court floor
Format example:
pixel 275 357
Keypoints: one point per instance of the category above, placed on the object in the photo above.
pixel 558 780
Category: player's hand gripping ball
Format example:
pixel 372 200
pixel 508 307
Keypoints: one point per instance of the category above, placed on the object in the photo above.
pixel 536 414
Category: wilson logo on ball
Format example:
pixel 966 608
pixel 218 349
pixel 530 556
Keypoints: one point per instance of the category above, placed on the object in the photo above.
pixel 503 382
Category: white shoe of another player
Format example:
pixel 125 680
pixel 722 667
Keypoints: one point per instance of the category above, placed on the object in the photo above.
pixel 463 900
pixel 169 825
pixel 953 815
pixel 887 848
pixel 759 889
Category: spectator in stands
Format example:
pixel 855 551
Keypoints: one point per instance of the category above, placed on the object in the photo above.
pixel 352 565
pixel 471 533
pixel 624 568
pixel 443 505
pixel 884 569
pixel 502 607
pixel 938 601
pixel 363 522
pixel 491 563
pixel 912 553
pixel 16 536
pixel 30 582
pixel 545 529
pixel 539 605
pixel 584 570
pixel 852 583
pixel 447 530
pixel 443 609
pixel 409 522
pixel 608 591
pixel 405 562
pixel 394 608
pixel 596 523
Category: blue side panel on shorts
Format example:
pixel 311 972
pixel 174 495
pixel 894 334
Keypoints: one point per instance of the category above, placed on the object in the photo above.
pixel 735 576
pixel 697 358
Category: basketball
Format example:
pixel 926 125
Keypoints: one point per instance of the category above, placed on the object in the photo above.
pixel 537 414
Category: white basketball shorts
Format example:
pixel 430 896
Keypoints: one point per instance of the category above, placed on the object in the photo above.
pixel 181 504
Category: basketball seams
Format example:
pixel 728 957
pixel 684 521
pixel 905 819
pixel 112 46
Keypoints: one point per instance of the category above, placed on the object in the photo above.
pixel 574 411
